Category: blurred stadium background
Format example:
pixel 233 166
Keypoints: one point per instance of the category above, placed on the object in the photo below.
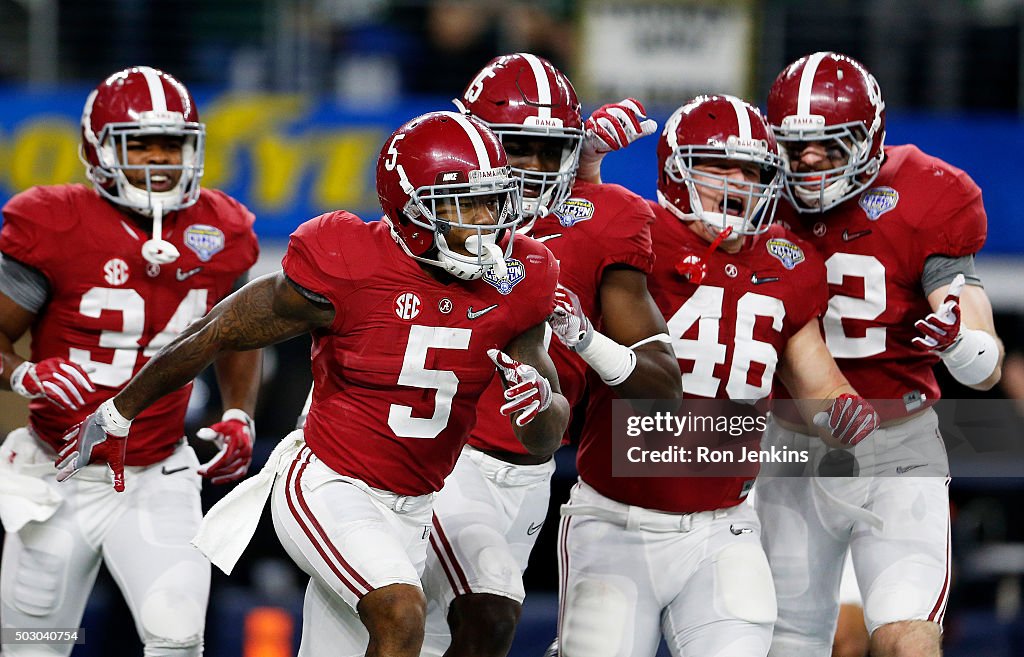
pixel 298 95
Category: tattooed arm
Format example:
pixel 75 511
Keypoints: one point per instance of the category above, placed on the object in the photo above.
pixel 264 312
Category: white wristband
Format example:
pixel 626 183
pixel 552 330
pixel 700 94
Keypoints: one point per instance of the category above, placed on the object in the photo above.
pixel 973 358
pixel 612 361
pixel 18 377
pixel 112 421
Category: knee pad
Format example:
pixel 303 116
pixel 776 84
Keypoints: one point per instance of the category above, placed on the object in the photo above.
pixel 595 616
pixel 37 581
pixel 743 584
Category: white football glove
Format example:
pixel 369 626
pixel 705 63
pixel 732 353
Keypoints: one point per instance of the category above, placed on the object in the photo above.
pixel 610 128
pixel 525 389
pixel 568 321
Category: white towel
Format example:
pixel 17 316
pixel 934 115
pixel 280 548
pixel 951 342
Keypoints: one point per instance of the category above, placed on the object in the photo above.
pixel 228 527
pixel 25 495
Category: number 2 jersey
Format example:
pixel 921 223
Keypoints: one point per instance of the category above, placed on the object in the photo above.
pixel 875 246
pixel 728 334
pixel 398 376
pixel 599 226
pixel 109 310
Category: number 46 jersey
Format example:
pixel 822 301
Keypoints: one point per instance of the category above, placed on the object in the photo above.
pixel 109 310
pixel 728 334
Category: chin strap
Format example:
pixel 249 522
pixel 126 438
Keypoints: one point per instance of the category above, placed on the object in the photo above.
pixel 695 267
pixel 158 250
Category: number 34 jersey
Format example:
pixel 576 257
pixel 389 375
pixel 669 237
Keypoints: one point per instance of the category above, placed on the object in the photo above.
pixel 398 376
pixel 109 310
pixel 728 334
pixel 875 247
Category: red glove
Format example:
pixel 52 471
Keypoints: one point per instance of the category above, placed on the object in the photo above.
pixel 941 329
pixel 610 128
pixel 233 435
pixel 525 389
pixel 850 420
pixel 99 438
pixel 59 380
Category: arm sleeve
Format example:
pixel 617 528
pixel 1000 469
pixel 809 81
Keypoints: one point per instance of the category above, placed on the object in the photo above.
pixel 24 285
pixel 940 270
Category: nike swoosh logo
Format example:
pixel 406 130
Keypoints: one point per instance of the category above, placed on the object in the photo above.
pixel 741 530
pixel 182 275
pixel 533 529
pixel 545 238
pixel 473 314
pixel 849 237
pixel 164 469
pixel 757 280
pixel 907 468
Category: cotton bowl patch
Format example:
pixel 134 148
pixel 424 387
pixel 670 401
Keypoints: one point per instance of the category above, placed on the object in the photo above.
pixel 789 254
pixel 574 210
pixel 206 241
pixel 877 201
pixel 516 273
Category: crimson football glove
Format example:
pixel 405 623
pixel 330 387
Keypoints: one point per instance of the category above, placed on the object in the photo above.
pixel 58 380
pixel 940 330
pixel 233 435
pixel 99 438
pixel 850 420
pixel 610 128
pixel 525 389
pixel 568 321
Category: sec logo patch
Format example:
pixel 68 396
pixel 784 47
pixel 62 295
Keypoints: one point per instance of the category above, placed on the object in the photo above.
pixel 407 306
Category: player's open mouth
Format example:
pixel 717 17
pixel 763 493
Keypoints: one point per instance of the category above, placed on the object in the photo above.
pixel 733 206
pixel 531 190
pixel 160 183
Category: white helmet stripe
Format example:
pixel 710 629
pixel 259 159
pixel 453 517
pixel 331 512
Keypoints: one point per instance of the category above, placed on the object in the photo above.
pixel 156 88
pixel 670 128
pixel 742 117
pixel 543 86
pixel 803 102
pixel 475 139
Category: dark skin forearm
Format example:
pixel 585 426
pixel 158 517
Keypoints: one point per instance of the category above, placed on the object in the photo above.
pixel 543 435
pixel 266 311
pixel 630 315
pixel 14 323
pixel 238 378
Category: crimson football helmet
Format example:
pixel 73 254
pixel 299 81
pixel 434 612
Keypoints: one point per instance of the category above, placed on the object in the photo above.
pixel 830 98
pixel 142 102
pixel 522 94
pixel 448 161
pixel 715 128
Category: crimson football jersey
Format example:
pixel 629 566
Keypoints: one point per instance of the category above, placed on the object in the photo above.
pixel 598 226
pixel 398 375
pixel 874 247
pixel 109 309
pixel 728 334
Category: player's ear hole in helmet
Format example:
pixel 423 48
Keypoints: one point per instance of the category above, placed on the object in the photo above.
pixel 445 186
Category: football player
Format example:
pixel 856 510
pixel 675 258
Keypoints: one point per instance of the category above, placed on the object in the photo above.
pixel 642 557
pixel 898 230
pixel 491 509
pixel 409 317
pixel 104 277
